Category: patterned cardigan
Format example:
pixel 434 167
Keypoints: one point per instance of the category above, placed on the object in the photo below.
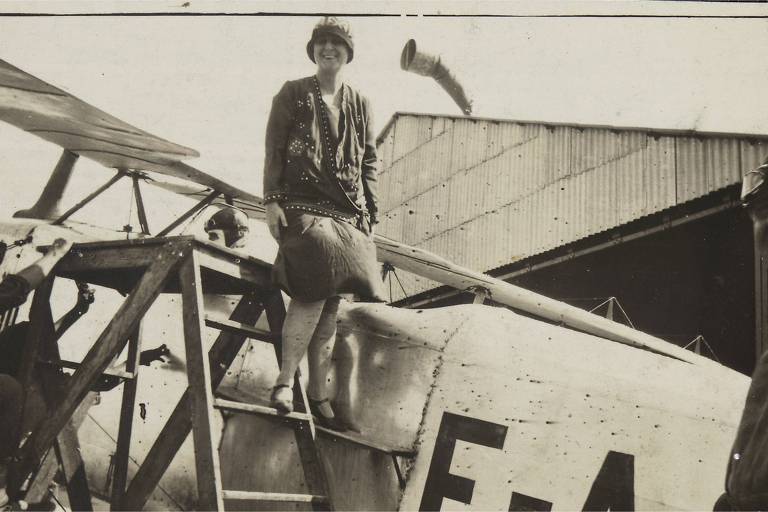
pixel 294 170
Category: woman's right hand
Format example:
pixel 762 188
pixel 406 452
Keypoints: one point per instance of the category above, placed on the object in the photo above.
pixel 275 219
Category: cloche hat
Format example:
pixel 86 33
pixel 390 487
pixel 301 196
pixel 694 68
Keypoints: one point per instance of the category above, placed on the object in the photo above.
pixel 333 26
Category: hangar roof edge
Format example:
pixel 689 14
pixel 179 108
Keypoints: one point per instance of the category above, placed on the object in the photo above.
pixel 659 131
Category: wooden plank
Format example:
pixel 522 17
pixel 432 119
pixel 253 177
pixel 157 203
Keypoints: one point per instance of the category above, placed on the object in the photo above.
pixel 123 243
pixel 109 344
pixel 81 259
pixel 209 496
pixel 123 448
pixel 176 429
pixel 241 328
pixel 90 197
pixel 361 441
pixel 274 496
pixel 258 409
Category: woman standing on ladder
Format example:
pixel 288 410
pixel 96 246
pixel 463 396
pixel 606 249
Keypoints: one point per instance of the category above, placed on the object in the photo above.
pixel 321 204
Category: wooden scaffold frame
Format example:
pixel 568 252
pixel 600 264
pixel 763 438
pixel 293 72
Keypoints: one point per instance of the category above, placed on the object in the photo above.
pixel 147 268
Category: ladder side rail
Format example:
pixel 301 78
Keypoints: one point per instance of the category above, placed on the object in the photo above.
pixel 178 426
pixel 208 474
pixel 128 406
pixel 313 464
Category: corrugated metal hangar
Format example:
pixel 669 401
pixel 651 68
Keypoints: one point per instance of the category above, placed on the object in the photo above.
pixel 582 214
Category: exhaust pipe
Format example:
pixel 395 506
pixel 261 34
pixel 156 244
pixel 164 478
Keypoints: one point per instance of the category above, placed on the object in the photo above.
pixel 432 66
pixel 47 205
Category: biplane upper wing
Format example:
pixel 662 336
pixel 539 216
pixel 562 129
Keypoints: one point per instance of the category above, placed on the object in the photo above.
pixel 252 205
pixel 58 117
pixel 55 115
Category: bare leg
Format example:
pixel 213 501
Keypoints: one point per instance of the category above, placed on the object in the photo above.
pixel 320 352
pixel 300 322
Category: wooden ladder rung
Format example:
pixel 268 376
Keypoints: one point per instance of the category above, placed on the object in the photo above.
pixel 74 366
pixel 274 496
pixel 239 328
pixel 356 439
pixel 258 409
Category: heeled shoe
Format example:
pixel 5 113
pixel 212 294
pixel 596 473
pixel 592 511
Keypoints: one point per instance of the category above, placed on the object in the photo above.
pixel 332 423
pixel 283 405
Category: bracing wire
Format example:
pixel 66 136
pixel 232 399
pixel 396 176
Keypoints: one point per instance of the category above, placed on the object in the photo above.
pixel 394 272
pixel 130 214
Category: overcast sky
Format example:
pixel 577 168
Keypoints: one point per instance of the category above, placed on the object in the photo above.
pixel 207 81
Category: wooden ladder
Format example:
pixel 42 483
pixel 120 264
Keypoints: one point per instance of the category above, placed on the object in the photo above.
pixel 202 384
pixel 301 420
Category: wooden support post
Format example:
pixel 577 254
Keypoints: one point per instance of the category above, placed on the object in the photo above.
pixel 90 197
pixel 67 447
pixel 108 345
pixel 140 206
pixel 38 487
pixel 209 495
pixel 122 451
pixel 176 429
pixel 42 340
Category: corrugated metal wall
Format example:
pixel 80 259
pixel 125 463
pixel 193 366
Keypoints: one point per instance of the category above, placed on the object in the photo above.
pixel 485 193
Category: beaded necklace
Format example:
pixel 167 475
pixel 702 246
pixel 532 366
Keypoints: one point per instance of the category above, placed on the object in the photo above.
pixel 330 155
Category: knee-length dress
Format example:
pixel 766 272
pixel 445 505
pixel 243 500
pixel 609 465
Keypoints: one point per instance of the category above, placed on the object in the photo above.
pixel 325 180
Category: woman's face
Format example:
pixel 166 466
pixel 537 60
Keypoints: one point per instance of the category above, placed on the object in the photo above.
pixel 330 53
